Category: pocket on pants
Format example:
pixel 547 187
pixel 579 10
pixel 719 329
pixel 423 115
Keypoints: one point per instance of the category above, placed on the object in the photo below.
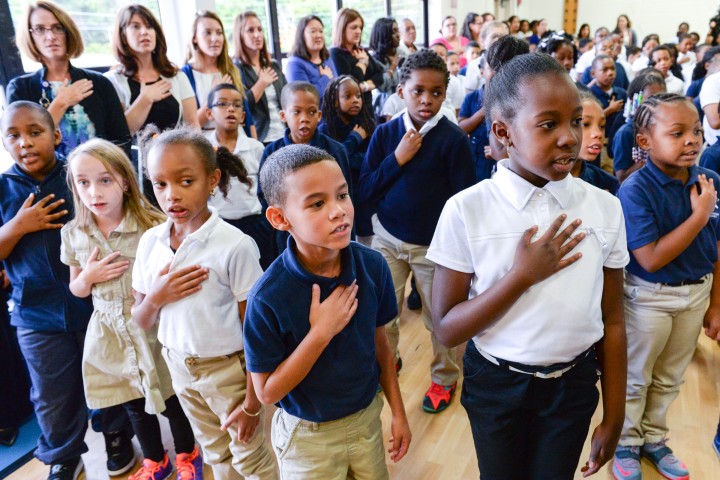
pixel 282 433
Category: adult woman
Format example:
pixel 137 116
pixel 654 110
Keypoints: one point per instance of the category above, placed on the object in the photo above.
pixel 408 34
pixel 384 41
pixel 209 64
pixel 349 57
pixel 450 38
pixel 624 27
pixel 471 27
pixel 262 77
pixel 309 58
pixel 83 103
pixel 583 33
pixel 148 84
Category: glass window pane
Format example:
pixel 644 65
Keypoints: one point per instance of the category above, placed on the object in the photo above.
pixel 370 10
pixel 95 19
pixel 291 11
pixel 227 10
pixel 412 9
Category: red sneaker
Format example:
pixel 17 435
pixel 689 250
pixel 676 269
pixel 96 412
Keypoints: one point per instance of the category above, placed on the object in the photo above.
pixel 438 397
pixel 189 465
pixel 153 470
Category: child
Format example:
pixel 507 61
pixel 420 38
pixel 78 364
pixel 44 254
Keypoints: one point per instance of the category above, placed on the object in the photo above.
pixel 414 164
pixel 191 277
pixel 472 113
pixel 121 364
pixel 562 48
pixel 315 321
pixel 472 51
pixel 50 320
pixel 537 305
pixel 662 60
pixel 301 112
pixel 455 90
pixel 647 82
pixel 593 134
pixel 490 33
pixel 609 48
pixel 672 234
pixel 347 119
pixel 239 206
pixel 611 97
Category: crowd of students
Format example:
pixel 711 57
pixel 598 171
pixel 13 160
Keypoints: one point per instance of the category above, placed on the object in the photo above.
pixel 542 190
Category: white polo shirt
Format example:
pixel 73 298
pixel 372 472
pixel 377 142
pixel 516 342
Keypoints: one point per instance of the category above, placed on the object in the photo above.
pixel 560 317
pixel 241 200
pixel 206 323
pixel 709 94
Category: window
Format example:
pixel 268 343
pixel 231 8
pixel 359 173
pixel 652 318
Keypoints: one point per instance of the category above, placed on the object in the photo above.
pixel 412 9
pixel 227 10
pixel 291 11
pixel 95 19
pixel 370 10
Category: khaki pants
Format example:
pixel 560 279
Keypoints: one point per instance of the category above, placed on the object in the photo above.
pixel 663 324
pixel 403 258
pixel 348 448
pixel 208 388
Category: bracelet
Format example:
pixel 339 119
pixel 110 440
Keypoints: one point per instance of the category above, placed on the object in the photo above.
pixel 242 409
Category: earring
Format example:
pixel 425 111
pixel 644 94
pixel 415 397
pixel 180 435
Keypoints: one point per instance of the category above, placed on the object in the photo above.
pixel 213 191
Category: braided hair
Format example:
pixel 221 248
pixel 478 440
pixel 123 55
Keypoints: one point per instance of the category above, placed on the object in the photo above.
pixel 645 114
pixel 221 158
pixel 331 109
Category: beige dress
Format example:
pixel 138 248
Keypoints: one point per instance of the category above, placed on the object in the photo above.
pixel 121 361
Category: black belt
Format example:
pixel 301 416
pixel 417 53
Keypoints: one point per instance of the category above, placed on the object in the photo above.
pixel 699 281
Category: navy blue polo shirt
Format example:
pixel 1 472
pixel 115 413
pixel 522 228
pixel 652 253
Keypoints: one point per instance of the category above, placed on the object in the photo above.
pixel 598 177
pixel 614 120
pixel 479 138
pixel 623 144
pixel 40 282
pixel 344 379
pixel 654 205
pixel 710 158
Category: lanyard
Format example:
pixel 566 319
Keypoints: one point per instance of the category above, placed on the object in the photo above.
pixel 45 99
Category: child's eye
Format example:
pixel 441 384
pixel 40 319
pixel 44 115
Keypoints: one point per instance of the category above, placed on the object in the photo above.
pixel 548 125
pixel 12 135
pixel 186 182
pixel 343 196
pixel 35 133
pixel 578 122
pixel 317 204
pixel 106 181
pixel 82 183
pixel 159 184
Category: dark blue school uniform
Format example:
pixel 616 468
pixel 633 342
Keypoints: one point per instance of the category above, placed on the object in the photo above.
pixel 319 140
pixel 51 321
pixel 614 121
pixel 623 144
pixel 410 198
pixel 479 138
pixel 621 78
pixel 654 205
pixel 344 379
pixel 355 147
pixel 710 158
pixel 598 177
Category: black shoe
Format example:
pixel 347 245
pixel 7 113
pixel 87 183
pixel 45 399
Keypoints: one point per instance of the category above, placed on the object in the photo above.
pixel 69 470
pixel 413 301
pixel 120 453
pixel 8 436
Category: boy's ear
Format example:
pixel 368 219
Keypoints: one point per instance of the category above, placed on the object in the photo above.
pixel 592 72
pixel 58 136
pixel 282 116
pixel 319 114
pixel 400 91
pixel 208 113
pixel 277 218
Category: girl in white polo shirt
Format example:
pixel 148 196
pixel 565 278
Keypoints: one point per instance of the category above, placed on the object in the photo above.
pixel 191 276
pixel 543 311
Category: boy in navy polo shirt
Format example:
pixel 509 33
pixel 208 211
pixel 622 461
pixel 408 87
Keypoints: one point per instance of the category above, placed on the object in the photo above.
pixel 413 165
pixel 50 320
pixel 710 158
pixel 315 339
pixel 670 208
pixel 612 98
pixel 301 112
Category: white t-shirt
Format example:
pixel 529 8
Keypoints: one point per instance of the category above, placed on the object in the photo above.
pixel 473 80
pixel 559 318
pixel 455 92
pixel 241 200
pixel 203 85
pixel 640 63
pixel 207 323
pixel 276 129
pixel 674 84
pixel 709 94
pixel 585 61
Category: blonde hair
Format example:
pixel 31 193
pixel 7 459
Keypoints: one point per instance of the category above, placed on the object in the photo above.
pixel 114 159
pixel 224 62
pixel 73 39
pixel 342 19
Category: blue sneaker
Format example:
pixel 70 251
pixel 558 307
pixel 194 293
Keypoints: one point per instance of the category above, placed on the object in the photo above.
pixel 189 465
pixel 626 463
pixel 716 442
pixel 665 461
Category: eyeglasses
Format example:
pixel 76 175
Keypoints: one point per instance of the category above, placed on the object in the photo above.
pixel 41 31
pixel 226 105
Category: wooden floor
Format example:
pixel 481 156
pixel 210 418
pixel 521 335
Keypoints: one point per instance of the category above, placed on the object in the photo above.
pixel 442 446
